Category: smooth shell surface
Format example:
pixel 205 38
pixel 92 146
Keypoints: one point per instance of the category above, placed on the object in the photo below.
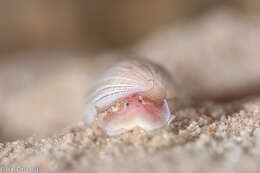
pixel 127 78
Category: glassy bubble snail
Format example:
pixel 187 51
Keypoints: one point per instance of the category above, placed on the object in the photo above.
pixel 135 92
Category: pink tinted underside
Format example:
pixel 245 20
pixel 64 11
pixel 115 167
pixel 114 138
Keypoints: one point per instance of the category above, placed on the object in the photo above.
pixel 150 111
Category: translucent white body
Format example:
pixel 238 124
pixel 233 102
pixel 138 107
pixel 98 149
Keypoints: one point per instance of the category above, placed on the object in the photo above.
pixel 139 77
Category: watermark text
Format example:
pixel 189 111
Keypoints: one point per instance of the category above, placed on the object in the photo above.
pixel 19 170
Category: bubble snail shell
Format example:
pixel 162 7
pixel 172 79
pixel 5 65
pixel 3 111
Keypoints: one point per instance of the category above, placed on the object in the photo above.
pixel 131 93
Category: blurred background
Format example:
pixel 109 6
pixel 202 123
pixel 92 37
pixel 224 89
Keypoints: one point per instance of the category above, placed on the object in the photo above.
pixel 51 51
pixel 52 25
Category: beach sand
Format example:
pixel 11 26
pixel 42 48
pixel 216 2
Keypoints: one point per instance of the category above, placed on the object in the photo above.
pixel 206 138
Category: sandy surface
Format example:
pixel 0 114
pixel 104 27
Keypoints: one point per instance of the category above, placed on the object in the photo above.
pixel 212 58
pixel 207 137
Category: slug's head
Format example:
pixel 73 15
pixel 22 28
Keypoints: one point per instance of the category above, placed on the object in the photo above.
pixel 130 94
pixel 133 111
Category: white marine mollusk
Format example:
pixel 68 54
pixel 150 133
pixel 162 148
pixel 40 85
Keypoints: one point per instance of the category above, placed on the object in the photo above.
pixel 131 93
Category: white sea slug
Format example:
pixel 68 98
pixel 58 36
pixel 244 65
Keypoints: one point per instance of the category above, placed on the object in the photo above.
pixel 131 93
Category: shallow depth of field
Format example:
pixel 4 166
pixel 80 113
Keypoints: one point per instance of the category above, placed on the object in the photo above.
pixel 51 52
